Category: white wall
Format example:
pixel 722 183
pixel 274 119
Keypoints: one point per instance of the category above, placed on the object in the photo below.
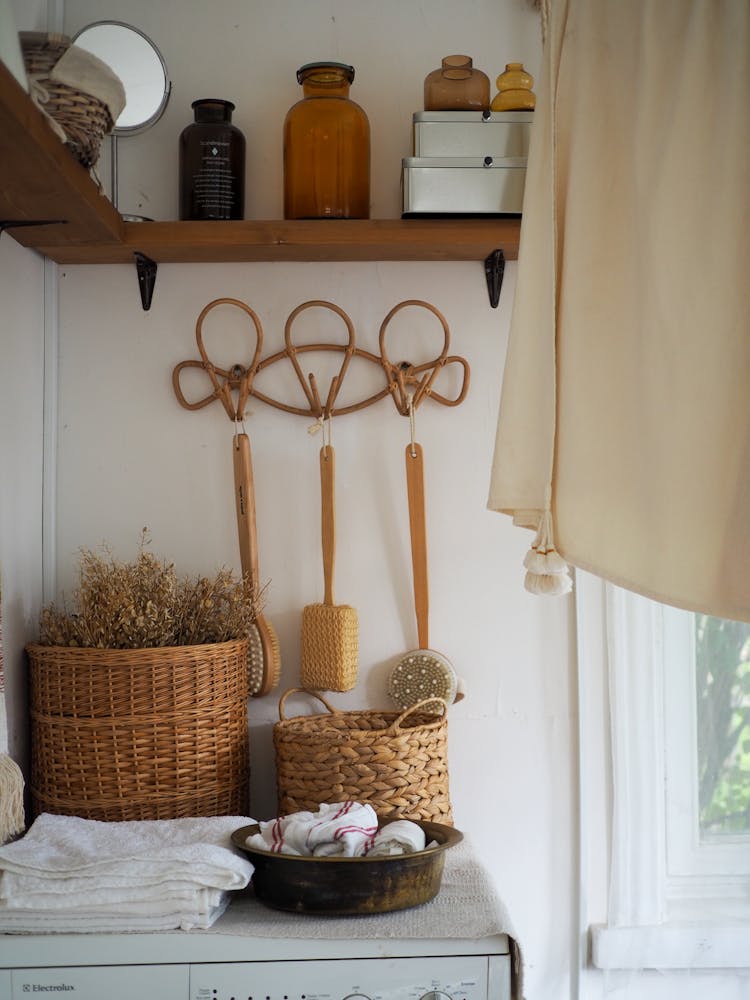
pixel 21 466
pixel 130 456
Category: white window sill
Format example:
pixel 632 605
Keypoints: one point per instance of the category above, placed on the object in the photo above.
pixel 693 946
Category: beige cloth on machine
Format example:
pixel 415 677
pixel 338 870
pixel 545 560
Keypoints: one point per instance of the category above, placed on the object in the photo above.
pixel 625 408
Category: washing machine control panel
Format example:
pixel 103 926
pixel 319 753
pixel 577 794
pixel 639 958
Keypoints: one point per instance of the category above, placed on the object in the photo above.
pixel 434 978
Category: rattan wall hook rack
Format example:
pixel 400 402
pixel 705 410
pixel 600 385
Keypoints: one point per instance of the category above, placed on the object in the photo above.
pixel 406 382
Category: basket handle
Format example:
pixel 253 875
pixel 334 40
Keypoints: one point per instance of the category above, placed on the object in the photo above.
pixel 397 723
pixel 315 694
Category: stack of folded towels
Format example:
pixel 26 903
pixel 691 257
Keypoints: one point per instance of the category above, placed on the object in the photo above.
pixel 73 874
pixel 340 829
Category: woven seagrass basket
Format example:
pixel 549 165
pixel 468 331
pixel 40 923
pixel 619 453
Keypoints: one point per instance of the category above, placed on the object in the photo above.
pixel 124 734
pixel 395 761
pixel 84 119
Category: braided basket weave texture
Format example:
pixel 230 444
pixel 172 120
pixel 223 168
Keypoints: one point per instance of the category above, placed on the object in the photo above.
pixel 121 734
pixel 395 761
pixel 84 119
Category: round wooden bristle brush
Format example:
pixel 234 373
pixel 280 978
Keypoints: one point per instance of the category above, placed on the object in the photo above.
pixel 330 632
pixel 421 673
pixel 263 655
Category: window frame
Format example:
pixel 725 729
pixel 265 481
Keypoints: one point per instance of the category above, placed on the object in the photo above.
pixel 715 869
pixel 662 913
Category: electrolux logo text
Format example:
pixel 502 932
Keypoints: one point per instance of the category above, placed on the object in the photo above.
pixel 41 988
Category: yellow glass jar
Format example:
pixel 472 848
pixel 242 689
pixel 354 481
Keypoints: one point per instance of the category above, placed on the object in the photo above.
pixel 326 148
pixel 514 90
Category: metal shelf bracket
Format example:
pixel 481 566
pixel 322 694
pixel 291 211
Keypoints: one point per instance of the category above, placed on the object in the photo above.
pixel 146 269
pixel 494 269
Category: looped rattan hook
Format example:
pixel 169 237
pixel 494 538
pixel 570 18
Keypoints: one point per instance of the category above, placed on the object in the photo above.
pixel 238 378
pixel 409 384
pixel 309 385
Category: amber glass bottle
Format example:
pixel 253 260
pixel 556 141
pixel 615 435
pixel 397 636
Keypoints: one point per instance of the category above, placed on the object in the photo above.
pixel 514 90
pixel 326 148
pixel 457 86
pixel 212 164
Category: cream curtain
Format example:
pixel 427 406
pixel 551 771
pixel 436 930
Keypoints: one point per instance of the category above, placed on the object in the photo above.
pixel 625 412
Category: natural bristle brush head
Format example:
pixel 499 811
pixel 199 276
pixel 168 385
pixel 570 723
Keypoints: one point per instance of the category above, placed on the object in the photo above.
pixel 422 674
pixel 330 632
pixel 330 647
pixel 263 658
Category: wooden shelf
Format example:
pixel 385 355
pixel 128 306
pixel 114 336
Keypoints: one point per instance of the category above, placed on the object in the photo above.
pixel 40 180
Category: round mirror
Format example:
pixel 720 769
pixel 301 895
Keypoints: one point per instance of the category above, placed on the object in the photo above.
pixel 139 65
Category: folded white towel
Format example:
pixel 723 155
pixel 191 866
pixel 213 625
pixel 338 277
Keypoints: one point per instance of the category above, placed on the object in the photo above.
pixel 134 875
pixel 15 890
pixel 196 849
pixel 132 899
pixel 338 829
pixel 398 837
pixel 93 921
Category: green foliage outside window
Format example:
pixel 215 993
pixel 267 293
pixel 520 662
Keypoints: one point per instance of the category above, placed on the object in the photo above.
pixel 723 693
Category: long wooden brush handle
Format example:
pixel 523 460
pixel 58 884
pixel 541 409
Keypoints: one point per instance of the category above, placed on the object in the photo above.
pixel 244 496
pixel 418 532
pixel 328 518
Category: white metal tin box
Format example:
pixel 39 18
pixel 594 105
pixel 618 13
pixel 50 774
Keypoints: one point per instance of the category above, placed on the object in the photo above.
pixel 456 185
pixel 472 133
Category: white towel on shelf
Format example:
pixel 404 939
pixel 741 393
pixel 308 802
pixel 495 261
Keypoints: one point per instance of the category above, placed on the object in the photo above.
pixel 32 921
pixel 130 899
pixel 401 836
pixel 342 829
pixel 196 849
pixel 80 874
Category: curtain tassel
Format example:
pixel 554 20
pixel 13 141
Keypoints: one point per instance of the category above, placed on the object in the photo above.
pixel 547 572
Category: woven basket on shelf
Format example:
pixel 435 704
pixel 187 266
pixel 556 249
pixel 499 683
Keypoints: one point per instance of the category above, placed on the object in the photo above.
pixel 121 734
pixel 395 761
pixel 84 119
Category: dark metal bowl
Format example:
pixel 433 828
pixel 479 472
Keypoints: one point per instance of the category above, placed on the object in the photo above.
pixel 343 886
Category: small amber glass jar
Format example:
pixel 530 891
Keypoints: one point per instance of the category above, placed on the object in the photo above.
pixel 457 86
pixel 514 90
pixel 212 163
pixel 326 148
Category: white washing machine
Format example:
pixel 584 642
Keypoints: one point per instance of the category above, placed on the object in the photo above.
pixel 215 966
pixel 459 946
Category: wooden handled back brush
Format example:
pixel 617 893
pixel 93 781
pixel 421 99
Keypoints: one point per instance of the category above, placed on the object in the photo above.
pixel 330 633
pixel 263 657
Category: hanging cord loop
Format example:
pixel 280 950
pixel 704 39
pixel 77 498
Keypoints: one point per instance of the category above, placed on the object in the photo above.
pixel 412 424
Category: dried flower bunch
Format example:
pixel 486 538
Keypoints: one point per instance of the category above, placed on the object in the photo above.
pixel 144 604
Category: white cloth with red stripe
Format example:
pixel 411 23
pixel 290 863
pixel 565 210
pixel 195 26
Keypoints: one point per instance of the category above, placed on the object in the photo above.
pixel 337 829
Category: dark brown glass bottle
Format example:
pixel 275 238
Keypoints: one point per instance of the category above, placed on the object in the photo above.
pixel 212 164
pixel 326 148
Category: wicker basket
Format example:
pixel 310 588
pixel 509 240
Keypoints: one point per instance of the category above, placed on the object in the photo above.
pixel 139 734
pixel 84 119
pixel 398 762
